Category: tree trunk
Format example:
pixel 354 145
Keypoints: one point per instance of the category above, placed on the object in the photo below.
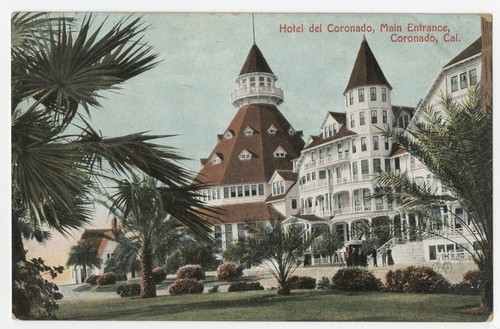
pixel 486 288
pixel 84 276
pixel 148 286
pixel 20 304
pixel 283 288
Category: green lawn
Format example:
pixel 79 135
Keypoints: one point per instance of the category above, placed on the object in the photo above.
pixel 302 305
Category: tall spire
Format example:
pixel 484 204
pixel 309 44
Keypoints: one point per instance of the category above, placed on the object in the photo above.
pixel 253 27
pixel 366 70
pixel 255 62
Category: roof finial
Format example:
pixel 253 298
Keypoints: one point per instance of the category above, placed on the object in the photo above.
pixel 253 27
pixel 364 37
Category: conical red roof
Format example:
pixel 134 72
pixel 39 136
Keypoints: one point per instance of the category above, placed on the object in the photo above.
pixel 261 144
pixel 255 62
pixel 366 70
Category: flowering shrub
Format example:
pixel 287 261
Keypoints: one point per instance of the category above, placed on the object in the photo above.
pixel 159 274
pixel 244 286
pixel 227 271
pixel 324 283
pixel 190 272
pixel 301 282
pixel 416 279
pixel 355 279
pixel 92 279
pixel 186 286
pixel 106 279
pixel 129 290
pixel 470 283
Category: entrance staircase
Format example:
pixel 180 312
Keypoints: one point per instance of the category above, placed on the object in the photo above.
pixel 403 252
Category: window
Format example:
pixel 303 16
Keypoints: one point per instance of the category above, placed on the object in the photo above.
pixel 361 95
pixel 261 189
pixel 472 77
pixel 356 198
pixel 339 147
pixel 374 116
pixel 269 81
pixel 365 170
pixel 245 155
pixel 338 172
pixel 218 236
pixel 228 135
pixel 361 118
pixel 377 166
pixel 375 143
pixel 463 80
pixel 294 203
pixel 226 192
pixel 233 191
pixel 272 130
pixel 354 169
pixel 351 98
pixel 253 189
pixel 373 93
pixel 353 123
pixel 387 164
pixel 353 146
pixel 248 131
pixel 396 164
pixel 384 116
pixel 261 81
pixel 247 190
pixel 366 197
pixel 454 83
pixel 386 143
pixel 240 191
pixel 241 231
pixel 313 156
pixel 363 144
pixel 328 151
pixel 384 94
pixel 322 174
pixel 215 159
pixel 291 131
pixel 229 234
pixel 252 81
pixel 313 175
pixel 279 153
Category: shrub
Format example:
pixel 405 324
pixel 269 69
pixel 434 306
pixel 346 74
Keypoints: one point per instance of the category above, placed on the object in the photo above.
pixel 186 286
pixel 227 271
pixel 159 274
pixel 190 272
pixel 213 290
pixel 416 279
pixel 470 283
pixel 129 290
pixel 106 279
pixel 301 282
pixel 355 279
pixel 244 286
pixel 324 283
pixel 92 279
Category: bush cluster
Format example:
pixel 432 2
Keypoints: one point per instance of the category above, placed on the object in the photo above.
pixel 159 274
pixel 355 279
pixel 416 279
pixel 324 283
pixel 244 286
pixel 106 279
pixel 470 284
pixel 190 272
pixel 129 290
pixel 92 279
pixel 301 282
pixel 226 271
pixel 186 286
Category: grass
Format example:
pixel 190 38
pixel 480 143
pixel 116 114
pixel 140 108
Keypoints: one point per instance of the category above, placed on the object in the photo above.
pixel 314 305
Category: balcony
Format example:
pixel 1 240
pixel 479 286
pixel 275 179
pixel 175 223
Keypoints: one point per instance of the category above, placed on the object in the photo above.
pixel 258 92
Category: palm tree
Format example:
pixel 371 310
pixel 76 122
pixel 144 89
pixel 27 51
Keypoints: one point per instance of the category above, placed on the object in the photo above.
pixel 150 216
pixel 84 255
pixel 125 258
pixel 455 143
pixel 274 247
pixel 58 161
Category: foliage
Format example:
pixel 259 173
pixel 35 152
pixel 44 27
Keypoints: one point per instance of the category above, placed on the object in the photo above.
pixel 106 279
pixel 324 283
pixel 327 242
pixel 159 274
pixel 276 248
pixel 124 259
pixel 416 279
pixel 84 255
pixel 214 289
pixel 190 272
pixel 470 284
pixel 33 293
pixel 129 290
pixel 186 286
pixel 192 250
pixel 244 286
pixel 227 271
pixel 455 143
pixel 355 279
pixel 301 282
pixel 92 279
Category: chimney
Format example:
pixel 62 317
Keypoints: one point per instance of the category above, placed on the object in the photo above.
pixel 114 226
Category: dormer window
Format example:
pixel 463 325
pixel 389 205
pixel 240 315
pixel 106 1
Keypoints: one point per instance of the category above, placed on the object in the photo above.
pixel 291 131
pixel 228 135
pixel 249 131
pixel 216 159
pixel 272 130
pixel 280 153
pixel 245 155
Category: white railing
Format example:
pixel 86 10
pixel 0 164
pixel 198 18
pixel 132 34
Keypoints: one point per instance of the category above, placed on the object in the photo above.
pixel 342 211
pixel 257 90
pixel 451 232
pixel 355 178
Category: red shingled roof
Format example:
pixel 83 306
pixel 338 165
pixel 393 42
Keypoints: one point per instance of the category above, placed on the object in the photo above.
pixel 97 239
pixel 474 49
pixel 255 62
pixel 366 70
pixel 245 212
pixel 288 175
pixel 339 117
pixel 319 140
pixel 261 144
